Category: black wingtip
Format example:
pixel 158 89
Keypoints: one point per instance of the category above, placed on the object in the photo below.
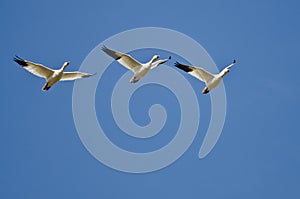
pixel 182 67
pixel 170 57
pixel 103 47
pixel 234 61
pixel 111 52
pixel 20 61
pixel 16 56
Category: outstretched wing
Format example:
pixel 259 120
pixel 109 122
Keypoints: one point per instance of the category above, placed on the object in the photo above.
pixel 124 59
pixel 159 62
pixel 199 73
pixel 74 75
pixel 229 66
pixel 36 69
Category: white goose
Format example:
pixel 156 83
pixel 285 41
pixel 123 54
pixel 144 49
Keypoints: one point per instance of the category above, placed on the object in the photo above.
pixel 211 80
pixel 139 69
pixel 51 76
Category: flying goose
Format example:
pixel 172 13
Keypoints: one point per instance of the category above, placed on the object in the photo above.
pixel 211 80
pixel 51 76
pixel 139 69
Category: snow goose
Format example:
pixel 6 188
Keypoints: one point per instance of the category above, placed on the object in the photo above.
pixel 139 69
pixel 51 76
pixel 211 80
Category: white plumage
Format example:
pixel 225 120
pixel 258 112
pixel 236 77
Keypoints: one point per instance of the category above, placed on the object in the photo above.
pixel 51 76
pixel 139 69
pixel 210 80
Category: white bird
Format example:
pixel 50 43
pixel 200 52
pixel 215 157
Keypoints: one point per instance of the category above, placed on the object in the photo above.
pixel 51 76
pixel 139 69
pixel 211 80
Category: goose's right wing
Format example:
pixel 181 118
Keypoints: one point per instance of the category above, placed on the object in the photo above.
pixel 159 62
pixel 36 69
pixel 199 73
pixel 74 75
pixel 124 59
pixel 234 62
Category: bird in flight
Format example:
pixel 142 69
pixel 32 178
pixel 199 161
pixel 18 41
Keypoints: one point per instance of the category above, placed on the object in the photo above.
pixel 211 80
pixel 51 76
pixel 139 69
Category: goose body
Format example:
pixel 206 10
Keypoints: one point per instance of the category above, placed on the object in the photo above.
pixel 139 69
pixel 211 80
pixel 51 76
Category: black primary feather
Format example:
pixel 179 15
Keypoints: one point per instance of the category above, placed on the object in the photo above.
pixel 20 61
pixel 183 67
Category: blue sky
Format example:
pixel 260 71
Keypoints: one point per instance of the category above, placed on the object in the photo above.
pixel 257 155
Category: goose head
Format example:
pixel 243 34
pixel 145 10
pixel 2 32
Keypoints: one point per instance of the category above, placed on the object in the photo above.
pixel 224 72
pixel 155 57
pixel 65 65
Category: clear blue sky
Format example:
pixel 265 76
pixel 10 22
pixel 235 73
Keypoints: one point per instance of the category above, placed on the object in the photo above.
pixel 257 156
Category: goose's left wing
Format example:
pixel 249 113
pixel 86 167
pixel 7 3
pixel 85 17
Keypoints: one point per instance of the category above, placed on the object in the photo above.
pixel 124 59
pixel 34 68
pixel 199 73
